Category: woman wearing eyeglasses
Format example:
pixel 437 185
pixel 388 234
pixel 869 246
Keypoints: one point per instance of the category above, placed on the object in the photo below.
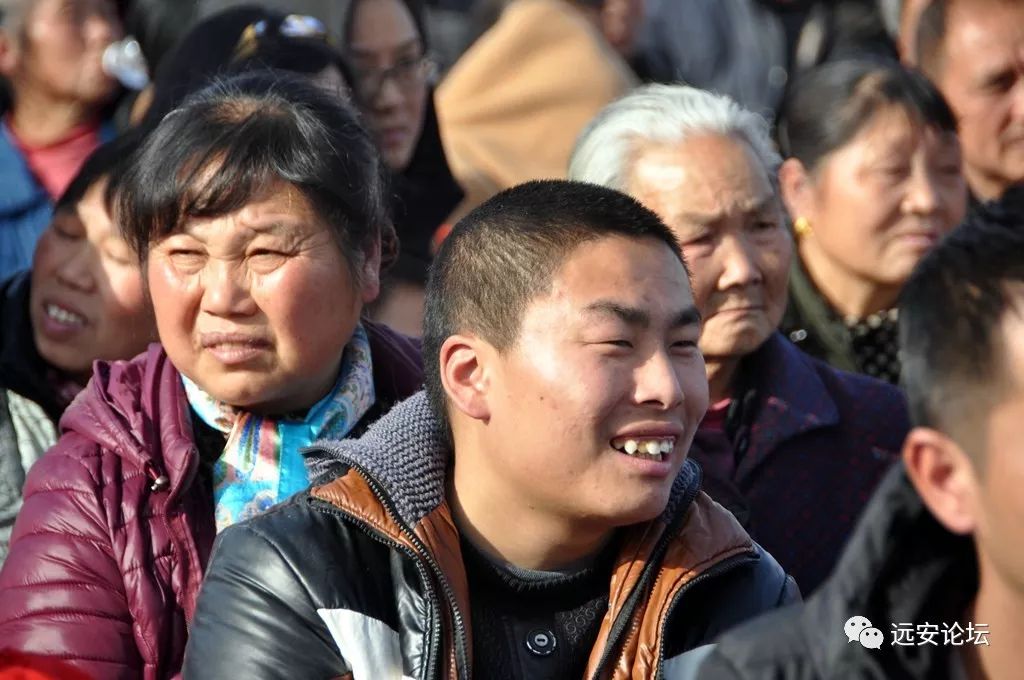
pixel 257 211
pixel 392 80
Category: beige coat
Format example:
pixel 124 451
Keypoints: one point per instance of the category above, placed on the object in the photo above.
pixel 511 108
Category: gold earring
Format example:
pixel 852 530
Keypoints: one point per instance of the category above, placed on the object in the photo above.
pixel 802 227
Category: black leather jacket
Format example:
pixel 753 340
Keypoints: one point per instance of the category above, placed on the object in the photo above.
pixel 363 575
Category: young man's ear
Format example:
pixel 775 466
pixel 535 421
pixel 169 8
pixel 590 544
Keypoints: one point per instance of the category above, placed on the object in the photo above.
pixel 465 375
pixel 944 477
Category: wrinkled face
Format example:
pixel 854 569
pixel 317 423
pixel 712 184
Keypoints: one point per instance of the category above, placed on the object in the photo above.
pixel 1000 514
pixel 717 198
pixel 87 300
pixel 608 357
pixel 257 306
pixel 383 40
pixel 60 49
pixel 880 202
pixel 982 76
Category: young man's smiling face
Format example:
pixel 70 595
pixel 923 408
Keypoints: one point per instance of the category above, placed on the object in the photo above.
pixel 591 412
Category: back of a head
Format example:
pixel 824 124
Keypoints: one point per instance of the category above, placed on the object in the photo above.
pixel 294 43
pixel 227 144
pixel 951 314
pixel 506 253
pixel 829 105
pixel 662 114
pixel 205 51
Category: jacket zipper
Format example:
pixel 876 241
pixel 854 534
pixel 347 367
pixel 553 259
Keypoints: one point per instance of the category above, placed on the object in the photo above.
pixel 716 570
pixel 461 640
pixel 624 619
pixel 435 628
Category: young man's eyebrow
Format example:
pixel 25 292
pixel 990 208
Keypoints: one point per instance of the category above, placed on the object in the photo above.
pixel 687 316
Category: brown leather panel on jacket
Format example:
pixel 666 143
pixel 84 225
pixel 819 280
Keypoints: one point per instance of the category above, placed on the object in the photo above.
pixel 709 534
pixel 353 494
pixel 439 533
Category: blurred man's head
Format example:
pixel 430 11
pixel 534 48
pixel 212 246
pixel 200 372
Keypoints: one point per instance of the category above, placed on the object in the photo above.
pixel 974 51
pixel 561 344
pixel 707 168
pixel 962 343
pixel 53 49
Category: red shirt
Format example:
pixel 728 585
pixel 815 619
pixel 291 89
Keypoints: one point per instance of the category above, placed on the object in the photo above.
pixel 54 165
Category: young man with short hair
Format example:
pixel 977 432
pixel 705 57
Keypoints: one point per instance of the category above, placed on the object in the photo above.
pixel 936 565
pixel 534 513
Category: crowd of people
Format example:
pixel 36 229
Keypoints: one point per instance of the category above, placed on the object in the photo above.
pixel 511 339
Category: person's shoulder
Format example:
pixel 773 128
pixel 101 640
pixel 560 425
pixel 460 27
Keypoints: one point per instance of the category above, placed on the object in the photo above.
pixel 771 646
pixel 864 402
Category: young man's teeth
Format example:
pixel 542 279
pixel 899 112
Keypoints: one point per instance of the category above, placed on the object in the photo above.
pixel 64 316
pixel 653 448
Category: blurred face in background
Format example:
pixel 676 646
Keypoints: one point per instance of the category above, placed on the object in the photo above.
pixel 981 74
pixel 877 204
pixel 87 300
pixel 55 48
pixel 391 74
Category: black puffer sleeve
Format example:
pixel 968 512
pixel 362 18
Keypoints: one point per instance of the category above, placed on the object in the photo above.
pixel 256 617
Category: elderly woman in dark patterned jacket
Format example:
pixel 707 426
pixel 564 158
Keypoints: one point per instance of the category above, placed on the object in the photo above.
pixel 792 446
pixel 257 211
pixel 83 300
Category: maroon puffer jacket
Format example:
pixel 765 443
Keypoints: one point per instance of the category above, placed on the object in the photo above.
pixel 110 547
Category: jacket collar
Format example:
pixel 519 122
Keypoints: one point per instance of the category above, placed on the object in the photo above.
pixel 789 399
pixel 900 566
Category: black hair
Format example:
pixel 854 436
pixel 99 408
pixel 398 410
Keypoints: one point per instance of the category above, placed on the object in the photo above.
pixel 204 53
pixel 159 25
pixel 110 162
pixel 505 253
pixel 416 10
pixel 231 141
pixel 829 105
pixel 272 50
pixel 951 311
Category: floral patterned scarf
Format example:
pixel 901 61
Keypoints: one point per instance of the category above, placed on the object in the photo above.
pixel 261 464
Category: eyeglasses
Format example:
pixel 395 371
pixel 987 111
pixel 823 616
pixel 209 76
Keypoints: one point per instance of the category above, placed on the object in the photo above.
pixel 292 26
pixel 407 73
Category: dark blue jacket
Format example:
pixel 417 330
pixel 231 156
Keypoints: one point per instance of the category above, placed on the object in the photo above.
pixel 25 206
pixel 811 444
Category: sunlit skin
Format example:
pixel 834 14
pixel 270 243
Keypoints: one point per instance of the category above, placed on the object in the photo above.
pixel 256 307
pixel 382 35
pixel 610 350
pixel 715 195
pixel 972 485
pixel 55 67
pixel 981 74
pixel 876 205
pixel 83 267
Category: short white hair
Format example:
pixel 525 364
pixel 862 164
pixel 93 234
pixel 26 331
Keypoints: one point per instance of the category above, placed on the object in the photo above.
pixel 663 114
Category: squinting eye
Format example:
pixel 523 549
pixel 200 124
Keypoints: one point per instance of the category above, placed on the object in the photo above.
pixel 618 343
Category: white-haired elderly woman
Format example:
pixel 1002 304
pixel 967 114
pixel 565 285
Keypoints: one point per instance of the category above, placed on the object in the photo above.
pixel 793 447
